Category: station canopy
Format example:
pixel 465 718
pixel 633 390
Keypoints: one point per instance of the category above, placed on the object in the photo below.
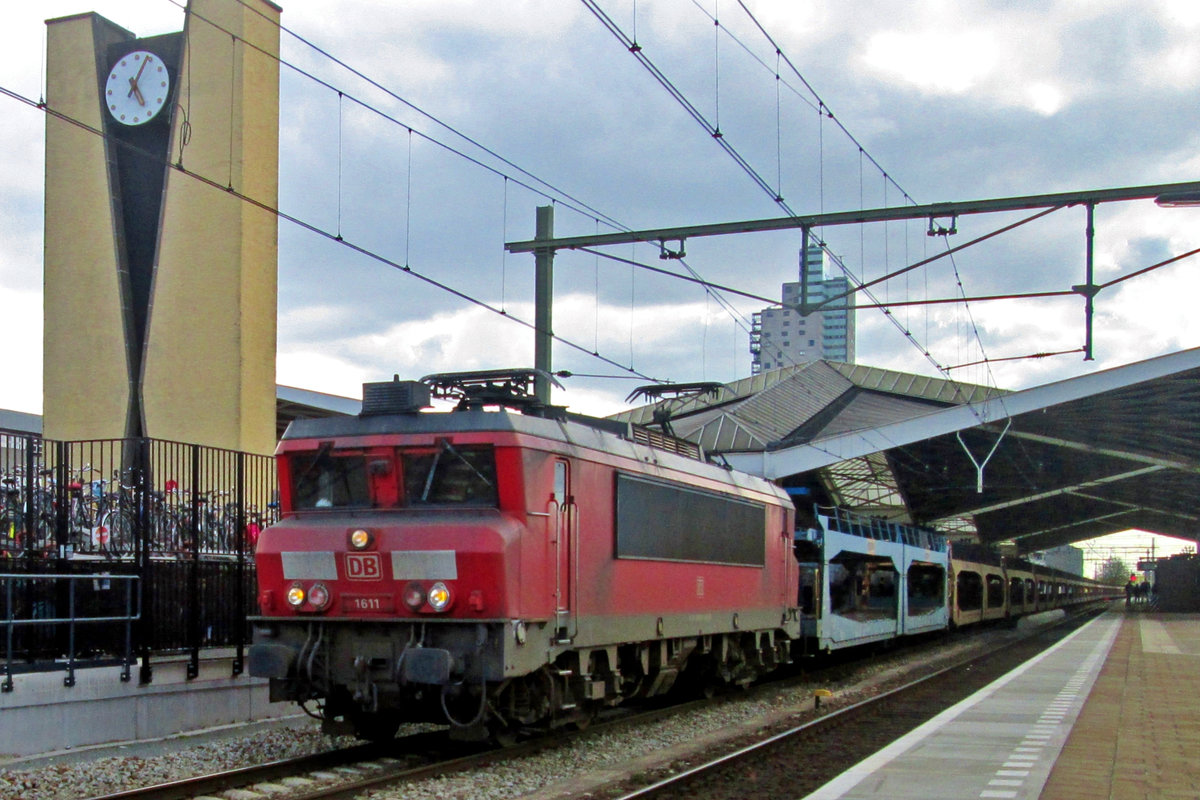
pixel 292 404
pixel 1042 467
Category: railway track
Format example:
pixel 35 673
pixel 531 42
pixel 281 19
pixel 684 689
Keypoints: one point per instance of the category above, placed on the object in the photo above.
pixel 348 772
pixel 352 771
pixel 795 761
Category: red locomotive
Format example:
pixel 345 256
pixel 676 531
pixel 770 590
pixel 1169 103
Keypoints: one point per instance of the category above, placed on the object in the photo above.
pixel 496 570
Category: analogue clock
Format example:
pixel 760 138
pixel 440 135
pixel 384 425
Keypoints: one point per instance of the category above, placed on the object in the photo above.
pixel 137 88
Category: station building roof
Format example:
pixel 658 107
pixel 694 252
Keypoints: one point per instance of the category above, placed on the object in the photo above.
pixel 1045 466
pixel 292 403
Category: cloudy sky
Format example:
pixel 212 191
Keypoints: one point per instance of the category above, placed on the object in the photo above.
pixel 954 100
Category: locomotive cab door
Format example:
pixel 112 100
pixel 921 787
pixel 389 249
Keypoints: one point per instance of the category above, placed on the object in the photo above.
pixel 564 532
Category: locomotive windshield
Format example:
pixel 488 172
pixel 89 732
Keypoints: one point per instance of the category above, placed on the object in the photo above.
pixel 438 475
pixel 325 480
pixel 450 475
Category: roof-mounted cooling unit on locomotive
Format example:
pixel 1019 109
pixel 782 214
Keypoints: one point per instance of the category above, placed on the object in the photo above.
pixel 394 397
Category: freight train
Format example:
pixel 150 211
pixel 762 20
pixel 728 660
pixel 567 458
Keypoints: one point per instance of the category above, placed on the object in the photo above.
pixel 865 580
pixel 508 565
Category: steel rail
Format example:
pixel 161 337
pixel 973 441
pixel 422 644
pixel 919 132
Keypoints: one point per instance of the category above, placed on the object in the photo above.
pixel 243 776
pixel 372 754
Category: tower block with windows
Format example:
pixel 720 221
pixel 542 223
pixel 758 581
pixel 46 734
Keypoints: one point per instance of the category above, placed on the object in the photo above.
pixel 160 276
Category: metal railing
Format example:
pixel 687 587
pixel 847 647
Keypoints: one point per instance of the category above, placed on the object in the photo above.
pixel 845 521
pixel 180 518
pixel 17 585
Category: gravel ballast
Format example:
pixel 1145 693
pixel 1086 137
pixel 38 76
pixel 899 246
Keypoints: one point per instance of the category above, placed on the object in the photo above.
pixel 575 769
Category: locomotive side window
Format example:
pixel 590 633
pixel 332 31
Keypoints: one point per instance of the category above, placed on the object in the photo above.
pixel 670 522
pixel 325 479
pixel 450 475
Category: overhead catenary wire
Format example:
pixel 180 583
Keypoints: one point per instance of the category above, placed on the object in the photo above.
pixel 583 207
pixel 308 226
pixel 791 306
pixel 862 153
pixel 821 105
pixel 665 82
pixel 566 199
pixel 549 192
pixel 721 139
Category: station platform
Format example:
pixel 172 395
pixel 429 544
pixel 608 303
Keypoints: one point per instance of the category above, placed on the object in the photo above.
pixel 1112 711
pixel 41 716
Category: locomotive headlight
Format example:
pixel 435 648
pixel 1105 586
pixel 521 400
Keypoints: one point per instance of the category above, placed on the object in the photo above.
pixel 295 595
pixel 439 596
pixel 414 596
pixel 318 596
pixel 361 539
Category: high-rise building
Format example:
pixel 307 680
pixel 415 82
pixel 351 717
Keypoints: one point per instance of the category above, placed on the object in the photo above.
pixel 781 336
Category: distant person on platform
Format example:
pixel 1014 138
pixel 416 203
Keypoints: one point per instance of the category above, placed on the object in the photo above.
pixel 1129 589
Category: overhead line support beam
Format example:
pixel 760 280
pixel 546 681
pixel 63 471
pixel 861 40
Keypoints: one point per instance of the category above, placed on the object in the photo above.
pixel 1166 191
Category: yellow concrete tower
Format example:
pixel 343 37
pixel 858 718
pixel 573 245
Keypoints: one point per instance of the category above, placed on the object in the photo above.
pixel 160 260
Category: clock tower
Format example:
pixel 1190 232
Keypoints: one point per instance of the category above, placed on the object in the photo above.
pixel 160 255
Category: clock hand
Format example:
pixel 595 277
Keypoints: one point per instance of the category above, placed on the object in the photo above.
pixel 133 82
pixel 135 92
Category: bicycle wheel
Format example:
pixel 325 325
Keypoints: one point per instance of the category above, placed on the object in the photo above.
pixel 166 535
pixel 116 533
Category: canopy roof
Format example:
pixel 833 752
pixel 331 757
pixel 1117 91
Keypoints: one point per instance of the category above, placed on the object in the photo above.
pixel 1075 459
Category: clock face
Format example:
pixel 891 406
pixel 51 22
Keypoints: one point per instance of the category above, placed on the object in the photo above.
pixel 137 88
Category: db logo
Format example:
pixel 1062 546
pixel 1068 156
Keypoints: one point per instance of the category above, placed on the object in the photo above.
pixel 364 566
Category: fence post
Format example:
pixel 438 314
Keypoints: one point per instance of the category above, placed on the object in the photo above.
pixel 57 595
pixel 145 567
pixel 6 669
pixel 240 570
pixel 62 497
pixel 193 603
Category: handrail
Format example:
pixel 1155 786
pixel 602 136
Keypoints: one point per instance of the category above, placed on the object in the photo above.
pixel 133 613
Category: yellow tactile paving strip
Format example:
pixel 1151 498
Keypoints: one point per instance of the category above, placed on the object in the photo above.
pixel 1138 735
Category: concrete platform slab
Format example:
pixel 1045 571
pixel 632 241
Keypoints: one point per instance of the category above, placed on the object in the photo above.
pixel 1001 743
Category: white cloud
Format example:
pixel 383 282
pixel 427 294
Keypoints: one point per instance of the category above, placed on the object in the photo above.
pixel 1185 13
pixel 1045 99
pixel 937 61
pixel 22 387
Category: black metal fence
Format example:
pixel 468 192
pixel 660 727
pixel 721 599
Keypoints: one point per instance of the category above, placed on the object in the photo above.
pixel 120 546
